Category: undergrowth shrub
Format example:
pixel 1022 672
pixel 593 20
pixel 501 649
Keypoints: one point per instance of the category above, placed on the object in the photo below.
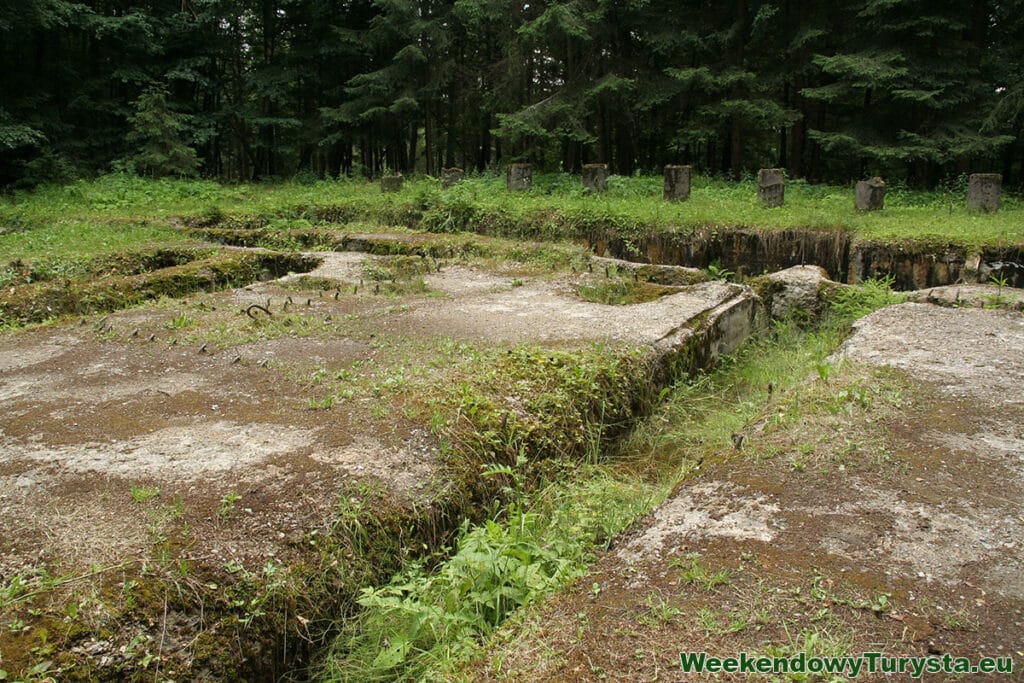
pixel 851 303
pixel 412 627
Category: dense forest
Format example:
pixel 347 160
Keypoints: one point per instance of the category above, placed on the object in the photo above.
pixel 915 90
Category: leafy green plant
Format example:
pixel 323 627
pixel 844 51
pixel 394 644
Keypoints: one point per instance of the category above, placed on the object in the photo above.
pixel 855 302
pixel 715 271
pixel 227 504
pixel 997 300
pixel 142 494
pixel 180 322
pixel 824 371
pixel 659 611
pixel 325 403
pixel 421 620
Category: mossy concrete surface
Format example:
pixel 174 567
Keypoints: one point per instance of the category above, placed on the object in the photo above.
pixel 875 507
pixel 185 483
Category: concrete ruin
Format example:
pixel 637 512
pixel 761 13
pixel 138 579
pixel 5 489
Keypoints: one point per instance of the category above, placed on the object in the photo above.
pixel 519 178
pixel 771 187
pixel 870 195
pixel 238 413
pixel 983 190
pixel 677 183
pixel 595 177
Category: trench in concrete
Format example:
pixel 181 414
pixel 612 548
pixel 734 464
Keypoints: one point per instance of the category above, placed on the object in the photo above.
pixel 746 252
pixel 692 344
pixel 76 401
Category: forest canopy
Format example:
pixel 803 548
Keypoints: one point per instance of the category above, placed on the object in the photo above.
pixel 914 90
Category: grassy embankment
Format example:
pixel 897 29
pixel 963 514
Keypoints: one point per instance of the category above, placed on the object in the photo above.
pixel 114 213
pixel 87 232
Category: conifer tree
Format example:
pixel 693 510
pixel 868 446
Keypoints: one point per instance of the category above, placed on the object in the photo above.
pixel 157 137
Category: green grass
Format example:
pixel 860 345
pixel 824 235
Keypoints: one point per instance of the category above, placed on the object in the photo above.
pixel 143 494
pixel 74 240
pixel 119 211
pixel 414 627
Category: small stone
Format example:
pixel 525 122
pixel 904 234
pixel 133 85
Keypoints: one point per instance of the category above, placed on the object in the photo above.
pixel 391 183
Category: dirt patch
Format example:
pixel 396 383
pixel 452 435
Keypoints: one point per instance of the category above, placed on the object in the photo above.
pixel 712 509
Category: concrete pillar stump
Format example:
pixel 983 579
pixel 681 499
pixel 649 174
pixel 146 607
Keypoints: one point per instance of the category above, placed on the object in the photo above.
pixel 520 177
pixel 870 195
pixel 983 192
pixel 677 183
pixel 771 187
pixel 391 183
pixel 450 176
pixel 595 177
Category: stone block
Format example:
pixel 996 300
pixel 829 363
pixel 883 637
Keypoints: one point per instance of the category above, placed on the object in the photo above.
pixel 771 187
pixel 520 177
pixel 595 177
pixel 391 183
pixel 450 176
pixel 983 192
pixel 677 183
pixel 870 195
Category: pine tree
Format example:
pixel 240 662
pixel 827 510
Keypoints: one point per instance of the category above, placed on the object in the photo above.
pixel 156 136
pixel 904 91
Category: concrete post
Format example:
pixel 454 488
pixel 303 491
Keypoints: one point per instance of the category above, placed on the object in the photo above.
pixel 520 177
pixel 595 177
pixel 983 192
pixel 450 176
pixel 390 183
pixel 870 195
pixel 771 187
pixel 677 183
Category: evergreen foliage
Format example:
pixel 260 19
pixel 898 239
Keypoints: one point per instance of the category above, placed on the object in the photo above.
pixel 916 91
pixel 158 148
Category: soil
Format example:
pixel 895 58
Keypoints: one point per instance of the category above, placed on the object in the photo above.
pixel 877 511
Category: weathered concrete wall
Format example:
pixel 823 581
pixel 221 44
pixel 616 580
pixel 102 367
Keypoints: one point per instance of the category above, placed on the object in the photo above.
pixel 754 252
